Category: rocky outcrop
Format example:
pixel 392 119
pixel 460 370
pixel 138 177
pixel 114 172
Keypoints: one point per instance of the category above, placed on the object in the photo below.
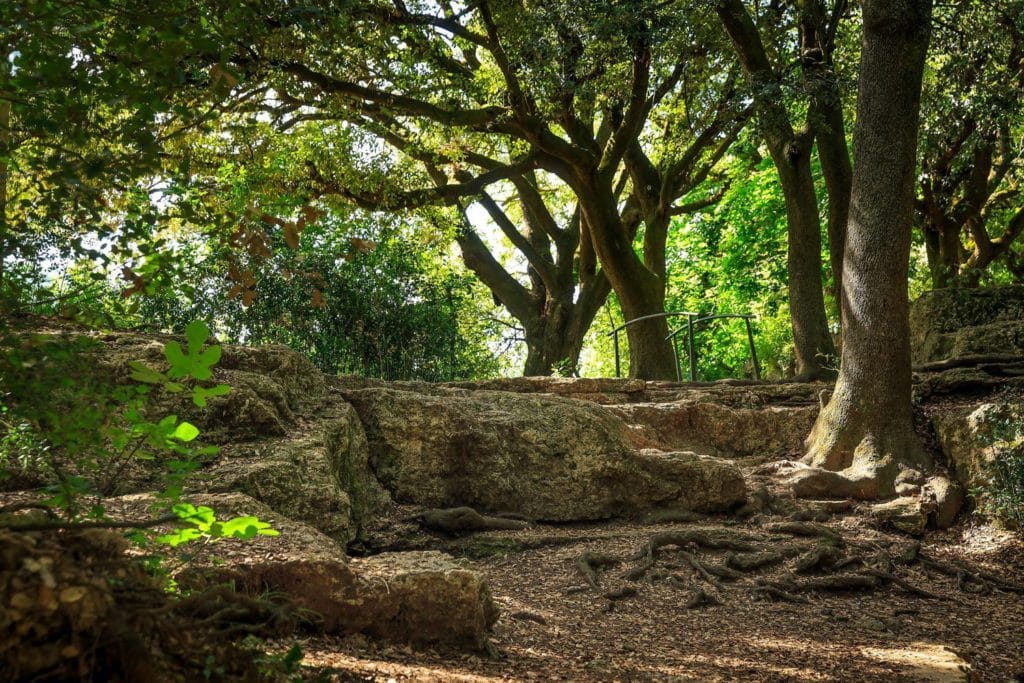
pixel 720 430
pixel 270 386
pixel 319 476
pixel 424 597
pixel 952 323
pixel 412 597
pixel 972 438
pixel 545 457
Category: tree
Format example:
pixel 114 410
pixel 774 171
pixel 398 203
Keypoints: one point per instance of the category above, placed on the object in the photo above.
pixel 864 437
pixel 494 95
pixel 790 148
pixel 972 168
pixel 90 96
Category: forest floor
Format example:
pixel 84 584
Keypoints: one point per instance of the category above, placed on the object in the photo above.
pixel 554 628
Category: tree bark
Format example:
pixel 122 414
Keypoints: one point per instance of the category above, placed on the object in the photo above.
pixel 811 338
pixel 825 120
pixel 864 437
pixel 554 339
pixel 640 291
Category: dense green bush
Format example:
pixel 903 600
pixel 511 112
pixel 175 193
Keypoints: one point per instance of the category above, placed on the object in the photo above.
pixel 1003 495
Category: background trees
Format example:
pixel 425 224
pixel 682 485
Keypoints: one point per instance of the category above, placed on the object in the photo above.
pixel 969 204
pixel 591 162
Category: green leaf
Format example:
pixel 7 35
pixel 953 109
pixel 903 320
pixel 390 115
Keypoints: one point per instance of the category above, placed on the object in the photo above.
pixel 210 356
pixel 181 536
pixel 143 373
pixel 201 394
pixel 197 333
pixel 179 362
pixel 186 431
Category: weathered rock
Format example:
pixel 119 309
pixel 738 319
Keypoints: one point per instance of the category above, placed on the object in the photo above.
pixel 948 323
pixel 972 438
pixel 415 597
pixel 425 598
pixel 269 386
pixel 544 457
pixel 319 477
pixel 595 389
pixel 720 430
pixel 905 514
pixel 948 499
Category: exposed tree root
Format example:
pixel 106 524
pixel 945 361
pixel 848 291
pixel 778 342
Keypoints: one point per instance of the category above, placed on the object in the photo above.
pixel 998 360
pixel 828 564
pixel 807 529
pixel 746 562
pixel 838 582
pixel 904 584
pixel 774 593
pixel 589 563
pixel 702 598
pixel 462 520
pixel 821 559
pixel 695 538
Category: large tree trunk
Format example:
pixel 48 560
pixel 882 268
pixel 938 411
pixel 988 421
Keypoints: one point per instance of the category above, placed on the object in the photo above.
pixel 825 120
pixel 554 339
pixel 5 141
pixel 944 251
pixel 640 291
pixel 864 437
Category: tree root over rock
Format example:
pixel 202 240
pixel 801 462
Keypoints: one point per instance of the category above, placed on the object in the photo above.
pixel 464 520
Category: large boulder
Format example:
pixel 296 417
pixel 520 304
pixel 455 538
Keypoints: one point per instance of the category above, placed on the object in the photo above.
pixel 545 457
pixel 712 428
pixel 270 386
pixel 951 323
pixel 423 597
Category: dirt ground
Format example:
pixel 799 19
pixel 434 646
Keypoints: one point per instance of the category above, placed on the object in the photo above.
pixel 548 631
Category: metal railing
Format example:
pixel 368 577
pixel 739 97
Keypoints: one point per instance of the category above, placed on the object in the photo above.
pixel 692 320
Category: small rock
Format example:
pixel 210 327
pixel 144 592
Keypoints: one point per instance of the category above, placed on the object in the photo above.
pixel 871 624
pixel 949 498
pixel 904 514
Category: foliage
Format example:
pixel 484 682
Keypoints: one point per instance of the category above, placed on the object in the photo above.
pixel 1003 495
pixel 972 165
pixel 732 260
pixel 77 434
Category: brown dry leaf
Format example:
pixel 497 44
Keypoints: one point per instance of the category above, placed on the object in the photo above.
pixel 361 246
pixel 138 284
pixel 221 78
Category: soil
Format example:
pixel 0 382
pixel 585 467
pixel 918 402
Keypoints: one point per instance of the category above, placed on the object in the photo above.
pixel 554 627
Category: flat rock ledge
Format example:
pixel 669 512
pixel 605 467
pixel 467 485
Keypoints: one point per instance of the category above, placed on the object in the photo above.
pixel 421 598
